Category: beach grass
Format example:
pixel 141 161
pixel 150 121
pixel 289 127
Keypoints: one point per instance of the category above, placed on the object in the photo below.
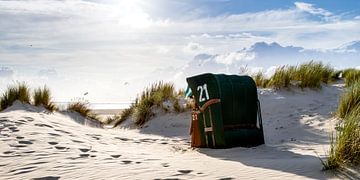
pixel 125 114
pixel 307 75
pixel 281 78
pixel 82 107
pixel 351 76
pixel 261 80
pixel 349 100
pixel 155 95
pixel 20 92
pixel 42 97
pixel 346 149
pixel 151 97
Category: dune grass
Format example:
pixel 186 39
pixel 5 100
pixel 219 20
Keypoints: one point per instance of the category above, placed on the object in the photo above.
pixel 306 75
pixel 20 92
pixel 281 78
pixel 346 147
pixel 260 80
pixel 82 107
pixel 351 76
pixel 349 100
pixel 42 97
pixel 154 96
pixel 125 114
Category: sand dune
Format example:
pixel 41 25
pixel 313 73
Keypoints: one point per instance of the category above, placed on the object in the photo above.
pixel 297 125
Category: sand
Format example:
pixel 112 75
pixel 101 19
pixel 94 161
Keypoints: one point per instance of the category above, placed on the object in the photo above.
pixel 297 126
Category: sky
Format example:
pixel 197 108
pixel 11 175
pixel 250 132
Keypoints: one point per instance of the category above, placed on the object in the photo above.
pixel 113 49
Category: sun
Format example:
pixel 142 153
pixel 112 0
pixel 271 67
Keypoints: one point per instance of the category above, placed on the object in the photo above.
pixel 131 14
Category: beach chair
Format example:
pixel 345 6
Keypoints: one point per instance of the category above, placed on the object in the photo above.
pixel 227 111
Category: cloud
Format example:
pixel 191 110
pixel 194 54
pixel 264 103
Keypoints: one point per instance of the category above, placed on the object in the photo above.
pixel 196 48
pixel 311 9
pixel 233 57
pixel 47 73
pixel 6 72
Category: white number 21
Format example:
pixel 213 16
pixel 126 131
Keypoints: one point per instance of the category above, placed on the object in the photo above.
pixel 203 96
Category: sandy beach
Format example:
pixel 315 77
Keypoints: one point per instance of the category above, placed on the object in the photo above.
pixel 297 126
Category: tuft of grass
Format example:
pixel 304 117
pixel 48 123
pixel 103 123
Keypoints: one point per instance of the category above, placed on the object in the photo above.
pixel 19 92
pixel 153 96
pixel 348 140
pixel 351 76
pixel 42 97
pixel 82 107
pixel 306 75
pixel 142 111
pixel 346 148
pixel 281 78
pixel 125 114
pixel 333 160
pixel 311 74
pixel 349 100
pixel 260 80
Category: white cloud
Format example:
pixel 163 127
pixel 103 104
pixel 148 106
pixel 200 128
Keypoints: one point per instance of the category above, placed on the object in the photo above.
pixel 311 9
pixel 6 72
pixel 196 48
pixel 234 57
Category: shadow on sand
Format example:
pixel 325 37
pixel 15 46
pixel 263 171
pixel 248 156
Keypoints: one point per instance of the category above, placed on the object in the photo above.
pixel 273 158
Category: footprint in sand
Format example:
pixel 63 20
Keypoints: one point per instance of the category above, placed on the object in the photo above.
pixel 59 130
pixel 60 147
pixel 84 149
pixel 227 178
pixel 47 178
pixel 53 143
pixel 77 141
pixel 8 152
pixel 19 123
pixel 43 125
pixel 126 162
pixel 25 142
pixel 23 170
pixel 84 155
pixel 17 146
pixel 54 134
pixel 115 156
pixel 19 137
pixel 28 152
pixel 29 119
pixel 185 171
pixel 165 164
pixel 123 139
